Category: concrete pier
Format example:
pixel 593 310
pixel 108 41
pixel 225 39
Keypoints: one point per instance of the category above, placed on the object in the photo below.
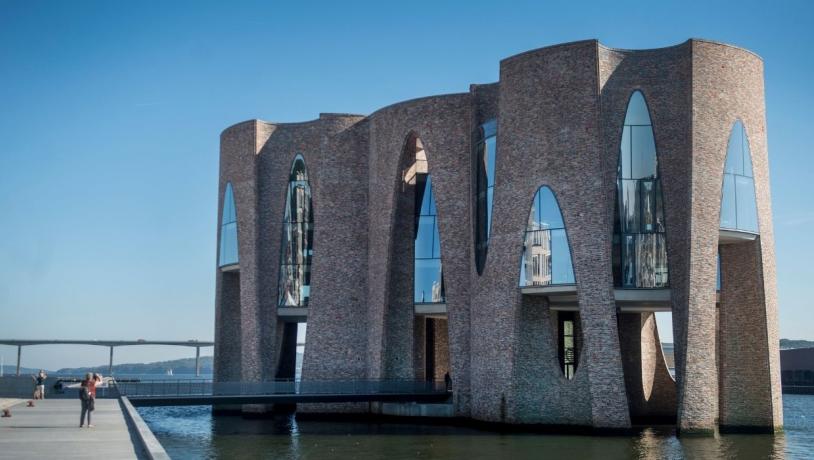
pixel 51 430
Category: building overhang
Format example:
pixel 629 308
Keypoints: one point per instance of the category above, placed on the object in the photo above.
pixel 564 298
pixel 292 314
pixel 735 236
pixel 230 268
pixel 431 310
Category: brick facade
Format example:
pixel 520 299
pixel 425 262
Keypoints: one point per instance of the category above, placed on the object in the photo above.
pixel 560 112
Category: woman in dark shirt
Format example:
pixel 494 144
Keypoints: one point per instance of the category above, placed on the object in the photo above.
pixel 87 393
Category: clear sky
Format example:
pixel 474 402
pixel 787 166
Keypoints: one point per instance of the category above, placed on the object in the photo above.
pixel 110 114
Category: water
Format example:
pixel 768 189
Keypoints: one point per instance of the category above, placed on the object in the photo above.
pixel 192 433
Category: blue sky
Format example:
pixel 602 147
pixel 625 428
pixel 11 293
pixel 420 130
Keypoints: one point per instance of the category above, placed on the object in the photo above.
pixel 110 114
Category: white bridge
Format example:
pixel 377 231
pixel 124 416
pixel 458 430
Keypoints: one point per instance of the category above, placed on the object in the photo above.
pixel 111 344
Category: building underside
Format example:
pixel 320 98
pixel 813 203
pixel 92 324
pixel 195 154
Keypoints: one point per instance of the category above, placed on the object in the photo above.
pixel 518 240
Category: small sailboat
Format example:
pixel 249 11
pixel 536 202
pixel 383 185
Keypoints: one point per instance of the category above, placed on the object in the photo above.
pixel 169 371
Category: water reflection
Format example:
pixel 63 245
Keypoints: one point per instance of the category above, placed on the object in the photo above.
pixel 191 432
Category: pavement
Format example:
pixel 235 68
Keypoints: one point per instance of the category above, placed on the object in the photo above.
pixel 50 430
pixel 8 402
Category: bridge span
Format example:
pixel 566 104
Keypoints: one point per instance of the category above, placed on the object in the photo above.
pixel 197 344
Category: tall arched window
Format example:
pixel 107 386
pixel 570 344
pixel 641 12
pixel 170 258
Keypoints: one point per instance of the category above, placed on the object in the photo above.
pixel 429 277
pixel 640 249
pixel 546 254
pixel 485 155
pixel 227 255
pixel 738 203
pixel 297 240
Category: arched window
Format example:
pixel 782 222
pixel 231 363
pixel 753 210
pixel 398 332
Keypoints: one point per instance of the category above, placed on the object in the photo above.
pixel 738 204
pixel 227 255
pixel 640 249
pixel 546 254
pixel 485 155
pixel 297 240
pixel 429 277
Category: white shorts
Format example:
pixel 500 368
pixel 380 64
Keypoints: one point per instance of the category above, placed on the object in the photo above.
pixel 41 389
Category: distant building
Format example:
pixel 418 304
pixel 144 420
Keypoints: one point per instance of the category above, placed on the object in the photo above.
pixel 797 367
pixel 519 236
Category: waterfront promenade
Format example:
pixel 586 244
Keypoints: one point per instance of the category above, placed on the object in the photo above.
pixel 51 430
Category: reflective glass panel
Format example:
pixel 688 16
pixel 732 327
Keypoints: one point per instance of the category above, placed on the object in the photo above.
pixel 428 281
pixel 296 246
pixel 738 200
pixel 746 204
pixel 228 230
pixel 562 272
pixel 637 113
pixel 546 257
pixel 718 272
pixel 643 153
pixel 728 211
pixel 424 238
pixel 486 157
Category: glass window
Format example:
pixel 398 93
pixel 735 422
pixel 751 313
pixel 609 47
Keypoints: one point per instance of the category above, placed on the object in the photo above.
pixel 641 252
pixel 296 246
pixel 429 277
pixel 485 158
pixel 546 256
pixel 228 230
pixel 567 349
pixel 746 204
pixel 738 200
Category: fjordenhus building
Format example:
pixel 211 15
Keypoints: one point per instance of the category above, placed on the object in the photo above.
pixel 519 237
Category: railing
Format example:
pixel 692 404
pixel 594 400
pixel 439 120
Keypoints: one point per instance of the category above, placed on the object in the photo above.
pixel 203 387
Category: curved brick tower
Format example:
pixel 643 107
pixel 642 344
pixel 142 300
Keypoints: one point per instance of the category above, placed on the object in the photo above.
pixel 538 317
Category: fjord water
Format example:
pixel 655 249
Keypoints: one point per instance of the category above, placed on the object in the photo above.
pixel 192 433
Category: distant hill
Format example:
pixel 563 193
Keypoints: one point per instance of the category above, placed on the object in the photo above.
pixel 12 370
pixel 786 344
pixel 178 366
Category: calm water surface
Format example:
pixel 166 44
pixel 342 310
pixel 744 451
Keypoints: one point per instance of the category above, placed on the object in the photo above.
pixel 192 433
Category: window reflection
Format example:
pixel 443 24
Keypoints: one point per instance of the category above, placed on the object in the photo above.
pixel 228 230
pixel 298 231
pixel 567 349
pixel 738 201
pixel 485 156
pixel 546 255
pixel 640 249
pixel 429 279
pixel 428 282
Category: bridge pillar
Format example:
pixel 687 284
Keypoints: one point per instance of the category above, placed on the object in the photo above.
pixel 197 361
pixel 19 352
pixel 110 364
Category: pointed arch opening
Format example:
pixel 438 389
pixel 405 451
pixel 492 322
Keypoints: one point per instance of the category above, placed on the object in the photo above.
pixel 428 279
pixel 228 253
pixel 296 249
pixel 546 262
pixel 546 258
pixel 640 246
pixel 416 318
pixel 640 268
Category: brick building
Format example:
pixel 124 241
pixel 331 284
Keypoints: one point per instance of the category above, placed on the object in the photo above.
pixel 519 237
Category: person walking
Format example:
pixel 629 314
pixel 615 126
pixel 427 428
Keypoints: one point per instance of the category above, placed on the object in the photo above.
pixel 87 392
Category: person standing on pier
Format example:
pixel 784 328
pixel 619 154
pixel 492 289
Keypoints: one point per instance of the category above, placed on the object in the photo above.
pixel 87 394
pixel 39 384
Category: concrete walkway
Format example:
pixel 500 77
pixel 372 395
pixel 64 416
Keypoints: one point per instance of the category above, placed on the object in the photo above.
pixel 51 430
pixel 8 402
